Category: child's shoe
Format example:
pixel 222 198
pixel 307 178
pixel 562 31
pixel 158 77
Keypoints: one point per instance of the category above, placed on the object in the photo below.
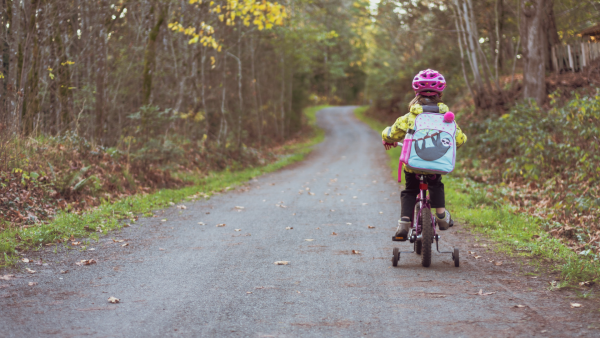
pixel 403 228
pixel 444 222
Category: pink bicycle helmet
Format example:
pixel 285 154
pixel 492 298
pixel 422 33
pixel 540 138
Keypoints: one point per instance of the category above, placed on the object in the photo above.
pixel 429 80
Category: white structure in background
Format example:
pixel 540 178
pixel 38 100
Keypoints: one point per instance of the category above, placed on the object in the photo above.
pixel 573 57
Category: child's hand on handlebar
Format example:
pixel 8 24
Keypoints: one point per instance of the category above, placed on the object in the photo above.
pixel 387 145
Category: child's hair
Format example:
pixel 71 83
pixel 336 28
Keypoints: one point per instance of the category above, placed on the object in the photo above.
pixel 425 100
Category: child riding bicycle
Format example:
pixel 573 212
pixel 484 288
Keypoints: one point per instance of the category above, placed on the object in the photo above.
pixel 428 86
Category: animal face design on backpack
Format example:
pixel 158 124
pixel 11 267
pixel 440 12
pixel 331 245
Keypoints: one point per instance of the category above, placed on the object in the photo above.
pixel 441 144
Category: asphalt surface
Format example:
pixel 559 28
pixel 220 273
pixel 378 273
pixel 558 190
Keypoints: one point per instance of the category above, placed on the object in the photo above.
pixel 181 278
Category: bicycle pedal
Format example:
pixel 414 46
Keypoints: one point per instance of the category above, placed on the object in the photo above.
pixel 399 238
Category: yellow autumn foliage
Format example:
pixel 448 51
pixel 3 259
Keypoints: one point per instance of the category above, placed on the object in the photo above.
pixel 263 14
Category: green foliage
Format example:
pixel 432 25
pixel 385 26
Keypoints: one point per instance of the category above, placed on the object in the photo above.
pixel 538 145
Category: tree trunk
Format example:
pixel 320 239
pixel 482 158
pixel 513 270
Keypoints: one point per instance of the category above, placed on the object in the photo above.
pixel 551 35
pixel 462 60
pixel 31 102
pixel 14 17
pixel 532 36
pixel 64 79
pixel 100 73
pixel 150 55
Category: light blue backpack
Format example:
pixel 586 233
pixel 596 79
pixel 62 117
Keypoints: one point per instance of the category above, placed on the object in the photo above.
pixel 433 146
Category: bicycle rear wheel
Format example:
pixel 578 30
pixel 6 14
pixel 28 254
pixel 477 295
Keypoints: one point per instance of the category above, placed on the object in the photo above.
pixel 418 246
pixel 426 237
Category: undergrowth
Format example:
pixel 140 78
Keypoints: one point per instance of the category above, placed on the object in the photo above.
pixel 115 213
pixel 477 205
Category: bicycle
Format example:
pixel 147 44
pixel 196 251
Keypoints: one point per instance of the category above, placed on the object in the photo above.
pixel 422 232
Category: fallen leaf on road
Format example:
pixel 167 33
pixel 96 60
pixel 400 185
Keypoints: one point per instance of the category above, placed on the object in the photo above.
pixel 248 292
pixel 163 220
pixel 86 262
pixel 75 243
pixel 237 229
pixel 333 234
pixel 317 228
pixel 64 271
pixel 201 223
pixel 481 293
pixel 519 306
pixel 471 252
pixel 309 239
pixel 498 263
pixel 281 263
pixel 240 208
pixel 320 201
pixel 586 283
pixel 220 225
pixel 327 193
pixel 374 181
pixel 370 227
pixel 182 207
pixel 381 212
pixel 29 270
pixel 118 240
pixel 332 210
pixel 25 260
pixel 575 305
pixel 298 291
pixel 311 193
pixel 355 197
pixel 113 300
pixel 348 223
pixel 7 277
pixel 355 252
pixel 171 203
pixel 477 257
pixel 341 200
pixel 32 283
pixel 365 203
pixel 289 228
pixel 125 244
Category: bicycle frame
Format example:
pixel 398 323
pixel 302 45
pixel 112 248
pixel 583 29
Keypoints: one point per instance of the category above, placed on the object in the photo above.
pixel 423 201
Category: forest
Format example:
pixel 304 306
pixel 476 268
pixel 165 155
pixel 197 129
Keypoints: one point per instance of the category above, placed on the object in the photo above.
pixel 105 99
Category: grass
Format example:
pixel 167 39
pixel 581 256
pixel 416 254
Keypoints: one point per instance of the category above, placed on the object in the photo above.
pixel 517 234
pixel 111 215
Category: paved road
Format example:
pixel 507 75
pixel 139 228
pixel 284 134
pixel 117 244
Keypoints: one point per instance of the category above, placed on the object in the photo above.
pixel 180 278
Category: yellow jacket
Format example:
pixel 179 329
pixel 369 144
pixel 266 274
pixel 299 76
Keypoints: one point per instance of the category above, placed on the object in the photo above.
pixel 397 132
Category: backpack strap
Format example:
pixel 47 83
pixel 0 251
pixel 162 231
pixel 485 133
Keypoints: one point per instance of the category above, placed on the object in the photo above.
pixel 431 109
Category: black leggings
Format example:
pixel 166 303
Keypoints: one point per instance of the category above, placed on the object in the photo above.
pixel 408 197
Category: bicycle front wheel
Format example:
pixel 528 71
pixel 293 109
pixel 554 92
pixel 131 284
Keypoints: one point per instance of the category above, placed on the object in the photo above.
pixel 426 237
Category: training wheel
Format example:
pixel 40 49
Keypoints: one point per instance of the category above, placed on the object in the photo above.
pixel 455 258
pixel 396 257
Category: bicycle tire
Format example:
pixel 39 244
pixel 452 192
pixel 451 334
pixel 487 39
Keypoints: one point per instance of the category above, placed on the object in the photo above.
pixel 456 258
pixel 418 246
pixel 426 237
